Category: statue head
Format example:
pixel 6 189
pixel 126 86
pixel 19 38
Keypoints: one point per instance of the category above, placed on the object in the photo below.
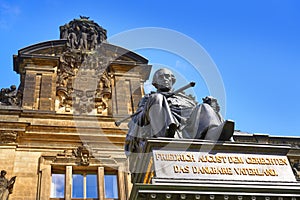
pixel 163 79
pixel 13 87
pixel 3 173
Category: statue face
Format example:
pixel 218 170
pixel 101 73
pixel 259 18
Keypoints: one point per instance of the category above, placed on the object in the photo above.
pixel 164 79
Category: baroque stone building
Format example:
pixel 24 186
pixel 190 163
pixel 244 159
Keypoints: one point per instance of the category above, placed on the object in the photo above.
pixel 58 124
pixel 57 128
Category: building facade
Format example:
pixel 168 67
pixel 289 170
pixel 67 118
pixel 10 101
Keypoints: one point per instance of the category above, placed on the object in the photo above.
pixel 57 132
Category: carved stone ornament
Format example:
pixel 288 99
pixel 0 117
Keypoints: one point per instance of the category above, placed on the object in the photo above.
pixel 7 137
pixel 84 155
pixel 83 83
pixel 82 34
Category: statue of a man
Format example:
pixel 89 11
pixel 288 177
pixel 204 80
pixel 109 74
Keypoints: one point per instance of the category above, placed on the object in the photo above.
pixel 165 114
pixel 6 185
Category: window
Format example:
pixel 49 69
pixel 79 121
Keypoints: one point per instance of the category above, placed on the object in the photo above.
pixel 58 186
pixel 84 186
pixel 91 183
pixel 77 182
pixel 77 186
pixel 111 186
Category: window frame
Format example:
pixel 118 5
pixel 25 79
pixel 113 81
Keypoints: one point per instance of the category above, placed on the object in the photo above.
pixel 100 173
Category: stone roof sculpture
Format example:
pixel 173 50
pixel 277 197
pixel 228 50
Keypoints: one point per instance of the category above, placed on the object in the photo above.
pixel 83 34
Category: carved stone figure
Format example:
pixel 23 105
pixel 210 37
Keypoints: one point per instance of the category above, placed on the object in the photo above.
pixel 83 42
pixel 6 186
pixel 94 39
pixel 9 96
pixel 64 31
pixel 296 170
pixel 72 39
pixel 164 114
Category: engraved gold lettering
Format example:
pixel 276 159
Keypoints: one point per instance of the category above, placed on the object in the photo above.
pixel 270 172
pixel 283 162
pixel 266 161
pixel 181 169
pixel 212 159
pixel 255 172
pixel 175 157
pixel 212 170
pixel 235 160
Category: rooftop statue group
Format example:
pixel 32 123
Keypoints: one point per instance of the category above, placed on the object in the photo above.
pixel 166 113
pixel 82 34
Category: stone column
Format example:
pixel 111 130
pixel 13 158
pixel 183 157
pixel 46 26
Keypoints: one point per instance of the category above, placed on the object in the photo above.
pixel 45 181
pixel 68 183
pixel 121 183
pixel 101 192
pixel 128 184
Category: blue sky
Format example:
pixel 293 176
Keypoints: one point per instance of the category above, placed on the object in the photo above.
pixel 255 45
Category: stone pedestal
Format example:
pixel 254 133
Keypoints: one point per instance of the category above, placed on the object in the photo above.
pixel 197 169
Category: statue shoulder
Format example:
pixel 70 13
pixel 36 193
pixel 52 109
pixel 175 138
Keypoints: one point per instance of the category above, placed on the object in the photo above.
pixel 187 98
pixel 143 100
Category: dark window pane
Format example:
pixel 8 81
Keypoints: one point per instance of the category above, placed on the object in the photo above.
pixel 77 187
pixel 91 184
pixel 111 186
pixel 58 186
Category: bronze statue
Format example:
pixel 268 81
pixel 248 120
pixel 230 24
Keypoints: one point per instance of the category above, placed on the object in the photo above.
pixel 165 114
pixel 6 186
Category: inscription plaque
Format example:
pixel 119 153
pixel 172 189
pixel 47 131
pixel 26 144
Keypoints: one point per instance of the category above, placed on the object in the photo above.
pixel 222 166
